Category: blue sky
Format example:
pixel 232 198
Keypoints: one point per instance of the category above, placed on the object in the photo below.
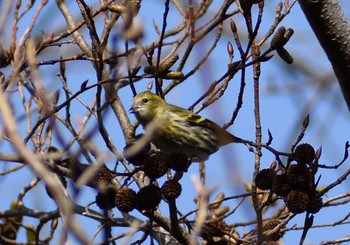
pixel 288 93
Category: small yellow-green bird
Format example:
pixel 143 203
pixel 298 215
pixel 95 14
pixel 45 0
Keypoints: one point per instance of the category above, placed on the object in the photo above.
pixel 175 129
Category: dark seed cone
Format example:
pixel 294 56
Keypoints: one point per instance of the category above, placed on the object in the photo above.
pixel 103 177
pixel 272 243
pixel 148 197
pixel 156 165
pixel 299 177
pixel 179 162
pixel 5 58
pixel 297 201
pixel 264 179
pixel 280 185
pixel 77 169
pixel 125 199
pixel 217 228
pixel 138 158
pixel 53 149
pixel 8 231
pixel 64 183
pixel 270 225
pixel 171 190
pixel 315 203
pixel 67 163
pixel 222 241
pixel 105 198
pixel 304 154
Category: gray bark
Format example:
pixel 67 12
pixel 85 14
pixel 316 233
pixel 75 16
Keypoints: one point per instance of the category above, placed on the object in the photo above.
pixel 332 30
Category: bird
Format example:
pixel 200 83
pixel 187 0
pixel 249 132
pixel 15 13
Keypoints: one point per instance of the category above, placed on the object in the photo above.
pixel 173 129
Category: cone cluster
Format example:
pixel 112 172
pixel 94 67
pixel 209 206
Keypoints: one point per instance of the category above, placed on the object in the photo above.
pixel 295 183
pixel 155 164
pixel 270 226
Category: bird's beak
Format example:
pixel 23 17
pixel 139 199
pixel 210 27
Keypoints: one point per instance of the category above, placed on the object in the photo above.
pixel 131 110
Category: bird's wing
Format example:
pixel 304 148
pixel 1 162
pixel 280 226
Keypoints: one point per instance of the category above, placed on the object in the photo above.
pixel 223 136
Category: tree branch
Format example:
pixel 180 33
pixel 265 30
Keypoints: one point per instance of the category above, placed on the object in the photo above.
pixel 332 30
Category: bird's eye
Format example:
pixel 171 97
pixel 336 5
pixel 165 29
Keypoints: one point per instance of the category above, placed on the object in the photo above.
pixel 145 100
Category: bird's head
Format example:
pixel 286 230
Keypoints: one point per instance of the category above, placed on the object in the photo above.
pixel 146 106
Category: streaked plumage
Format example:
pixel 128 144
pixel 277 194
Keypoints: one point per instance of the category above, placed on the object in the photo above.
pixel 179 130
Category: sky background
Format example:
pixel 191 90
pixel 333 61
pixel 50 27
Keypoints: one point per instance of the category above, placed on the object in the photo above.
pixel 288 94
